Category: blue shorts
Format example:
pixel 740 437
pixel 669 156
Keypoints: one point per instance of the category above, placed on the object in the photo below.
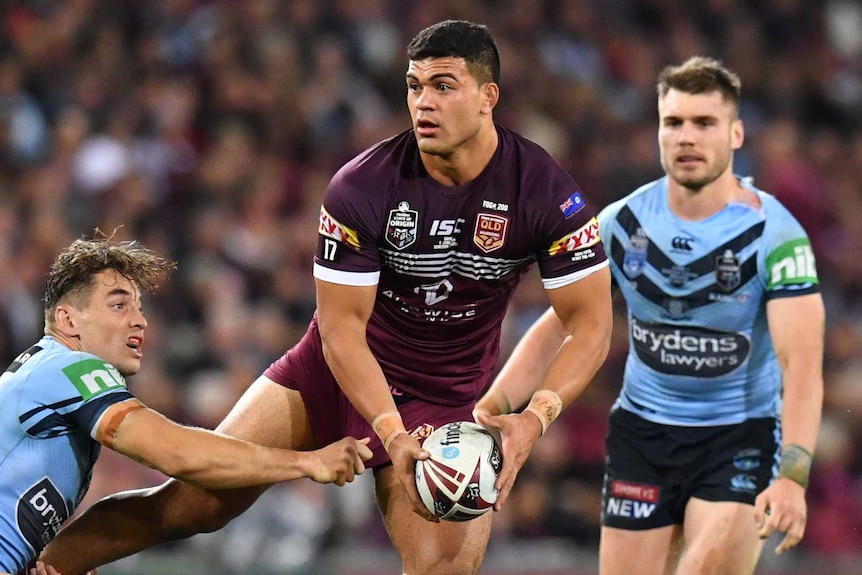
pixel 652 470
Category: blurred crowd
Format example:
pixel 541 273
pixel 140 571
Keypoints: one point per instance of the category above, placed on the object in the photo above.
pixel 208 130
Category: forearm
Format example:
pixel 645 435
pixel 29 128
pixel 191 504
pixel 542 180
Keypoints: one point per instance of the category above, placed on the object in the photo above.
pixel 527 366
pixel 802 405
pixel 362 380
pixel 202 457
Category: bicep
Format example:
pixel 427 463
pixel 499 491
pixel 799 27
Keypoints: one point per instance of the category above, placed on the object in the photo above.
pixel 587 300
pixel 796 325
pixel 341 306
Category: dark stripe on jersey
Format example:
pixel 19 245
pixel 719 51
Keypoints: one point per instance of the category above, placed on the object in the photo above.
pixel 50 407
pixel 648 289
pixel 55 423
pixel 781 293
pixel 22 358
pixel 701 266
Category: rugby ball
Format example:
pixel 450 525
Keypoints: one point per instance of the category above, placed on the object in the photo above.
pixel 457 482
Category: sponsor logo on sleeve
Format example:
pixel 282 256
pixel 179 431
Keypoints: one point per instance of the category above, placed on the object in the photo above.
pixel 331 228
pixel 573 204
pixel 490 231
pixel 401 229
pixel 633 500
pixel 92 377
pixel 791 263
pixel 40 512
pixel 584 237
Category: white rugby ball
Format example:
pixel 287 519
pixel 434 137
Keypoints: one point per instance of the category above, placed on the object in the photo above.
pixel 457 482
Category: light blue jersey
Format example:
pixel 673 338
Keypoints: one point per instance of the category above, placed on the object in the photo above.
pixel 51 399
pixel 699 348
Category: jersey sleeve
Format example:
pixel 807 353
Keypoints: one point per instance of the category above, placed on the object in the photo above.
pixel 787 262
pixel 348 230
pixel 571 246
pixel 62 398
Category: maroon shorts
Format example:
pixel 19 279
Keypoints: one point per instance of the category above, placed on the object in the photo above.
pixel 331 414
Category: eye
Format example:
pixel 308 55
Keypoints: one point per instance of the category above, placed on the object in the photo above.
pixel 443 87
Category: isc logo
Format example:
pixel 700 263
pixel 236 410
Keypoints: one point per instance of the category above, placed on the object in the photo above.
pixel 446 227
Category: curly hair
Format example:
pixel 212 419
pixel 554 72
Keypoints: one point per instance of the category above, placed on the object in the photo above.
pixel 71 274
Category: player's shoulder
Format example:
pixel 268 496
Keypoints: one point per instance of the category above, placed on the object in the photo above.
pixel 385 162
pixel 50 361
pixel 650 192
pixel 775 214
pixel 530 156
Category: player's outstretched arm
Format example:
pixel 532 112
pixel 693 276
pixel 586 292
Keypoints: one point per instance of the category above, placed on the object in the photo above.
pixel 585 310
pixel 215 461
pixel 796 325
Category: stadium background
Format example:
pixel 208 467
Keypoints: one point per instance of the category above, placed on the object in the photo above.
pixel 209 129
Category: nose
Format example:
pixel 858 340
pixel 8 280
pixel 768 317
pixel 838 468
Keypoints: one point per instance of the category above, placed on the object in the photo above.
pixel 686 133
pixel 138 319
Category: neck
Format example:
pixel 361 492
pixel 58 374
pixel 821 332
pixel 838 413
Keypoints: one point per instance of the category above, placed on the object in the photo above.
pixel 466 162
pixel 699 204
pixel 69 341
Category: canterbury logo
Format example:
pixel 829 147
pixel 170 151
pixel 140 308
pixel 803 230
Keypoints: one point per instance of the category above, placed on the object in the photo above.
pixel 681 243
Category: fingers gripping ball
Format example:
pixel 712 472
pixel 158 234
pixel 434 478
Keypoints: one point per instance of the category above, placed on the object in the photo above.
pixel 457 482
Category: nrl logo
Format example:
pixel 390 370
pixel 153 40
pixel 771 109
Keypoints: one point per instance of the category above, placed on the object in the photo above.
pixel 401 230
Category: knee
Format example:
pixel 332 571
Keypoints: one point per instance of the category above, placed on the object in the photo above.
pixel 200 511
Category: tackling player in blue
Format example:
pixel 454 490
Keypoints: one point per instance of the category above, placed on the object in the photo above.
pixel 66 396
pixel 711 438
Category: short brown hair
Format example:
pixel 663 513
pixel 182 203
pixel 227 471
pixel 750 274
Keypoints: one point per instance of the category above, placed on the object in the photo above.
pixel 72 272
pixel 700 75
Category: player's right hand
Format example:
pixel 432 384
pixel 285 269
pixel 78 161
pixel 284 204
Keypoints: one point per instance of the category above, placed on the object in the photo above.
pixel 404 451
pixel 518 433
pixel 341 461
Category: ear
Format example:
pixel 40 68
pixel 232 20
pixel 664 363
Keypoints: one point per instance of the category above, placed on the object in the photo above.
pixel 490 97
pixel 737 134
pixel 66 320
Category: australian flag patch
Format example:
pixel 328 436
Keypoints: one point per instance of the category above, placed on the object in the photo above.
pixel 572 205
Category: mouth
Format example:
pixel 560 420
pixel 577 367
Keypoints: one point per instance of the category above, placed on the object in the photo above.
pixel 426 127
pixel 688 159
pixel 136 343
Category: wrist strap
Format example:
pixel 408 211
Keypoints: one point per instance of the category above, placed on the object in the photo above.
pixel 546 405
pixel 388 426
pixel 795 464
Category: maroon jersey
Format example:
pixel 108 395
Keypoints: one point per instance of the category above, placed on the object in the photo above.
pixel 447 259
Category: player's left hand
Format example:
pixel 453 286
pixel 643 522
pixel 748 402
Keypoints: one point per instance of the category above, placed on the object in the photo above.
pixel 782 507
pixel 518 434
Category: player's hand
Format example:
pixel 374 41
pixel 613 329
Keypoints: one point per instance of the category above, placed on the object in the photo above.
pixel 341 461
pixel 42 568
pixel 518 434
pixel 782 507
pixel 404 451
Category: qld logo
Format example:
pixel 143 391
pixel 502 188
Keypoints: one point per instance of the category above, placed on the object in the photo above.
pixel 490 232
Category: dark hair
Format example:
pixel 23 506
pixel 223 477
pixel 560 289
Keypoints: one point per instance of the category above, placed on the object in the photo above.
pixel 459 39
pixel 699 75
pixel 71 274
